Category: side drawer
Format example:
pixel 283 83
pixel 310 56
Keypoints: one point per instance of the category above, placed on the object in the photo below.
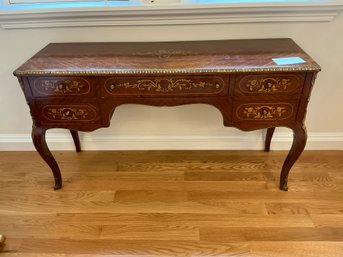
pixel 265 111
pixel 61 86
pixel 268 84
pixel 165 86
pixel 66 113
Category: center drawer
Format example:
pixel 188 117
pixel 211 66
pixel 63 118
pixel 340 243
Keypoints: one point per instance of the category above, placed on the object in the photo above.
pixel 165 85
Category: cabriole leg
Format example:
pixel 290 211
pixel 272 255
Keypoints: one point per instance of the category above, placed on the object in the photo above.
pixel 76 140
pixel 269 135
pixel 38 138
pixel 299 142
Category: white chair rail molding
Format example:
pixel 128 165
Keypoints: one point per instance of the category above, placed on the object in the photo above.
pixel 80 13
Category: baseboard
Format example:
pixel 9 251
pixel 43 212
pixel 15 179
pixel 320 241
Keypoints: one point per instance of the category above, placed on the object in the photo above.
pixel 245 141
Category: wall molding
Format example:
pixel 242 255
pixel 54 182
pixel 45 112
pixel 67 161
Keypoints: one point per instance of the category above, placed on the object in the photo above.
pixel 105 14
pixel 246 141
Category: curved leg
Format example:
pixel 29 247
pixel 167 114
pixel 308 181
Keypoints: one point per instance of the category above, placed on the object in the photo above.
pixel 76 140
pixel 269 135
pixel 38 138
pixel 299 142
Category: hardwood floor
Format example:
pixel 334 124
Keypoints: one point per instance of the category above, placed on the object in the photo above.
pixel 172 203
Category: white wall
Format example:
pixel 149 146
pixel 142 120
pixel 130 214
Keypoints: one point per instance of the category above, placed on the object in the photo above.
pixel 184 127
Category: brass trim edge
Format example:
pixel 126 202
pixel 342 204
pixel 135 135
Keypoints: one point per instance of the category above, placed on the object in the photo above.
pixel 165 71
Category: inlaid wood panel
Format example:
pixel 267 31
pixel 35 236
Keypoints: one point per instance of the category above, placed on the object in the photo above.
pixel 253 55
pixel 268 84
pixel 82 117
pixel 165 85
pixel 69 113
pixel 264 112
pixel 61 86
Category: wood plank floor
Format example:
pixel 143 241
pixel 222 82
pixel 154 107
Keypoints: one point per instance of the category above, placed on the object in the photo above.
pixel 172 203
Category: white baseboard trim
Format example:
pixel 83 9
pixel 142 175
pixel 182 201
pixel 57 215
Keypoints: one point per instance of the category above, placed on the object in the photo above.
pixel 245 141
pixel 14 16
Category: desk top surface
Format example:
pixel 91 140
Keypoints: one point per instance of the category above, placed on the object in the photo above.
pixel 224 56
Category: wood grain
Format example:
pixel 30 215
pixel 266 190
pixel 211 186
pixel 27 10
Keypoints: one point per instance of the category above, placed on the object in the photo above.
pixel 171 203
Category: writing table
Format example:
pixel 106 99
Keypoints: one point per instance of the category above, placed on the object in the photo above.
pixel 255 84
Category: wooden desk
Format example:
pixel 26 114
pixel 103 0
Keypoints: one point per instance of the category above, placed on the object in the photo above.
pixel 77 86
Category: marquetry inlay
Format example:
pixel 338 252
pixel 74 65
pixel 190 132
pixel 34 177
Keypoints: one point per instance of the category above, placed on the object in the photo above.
pixel 264 111
pixel 69 113
pixel 268 85
pixel 164 85
pixel 261 84
pixel 61 86
pixel 165 53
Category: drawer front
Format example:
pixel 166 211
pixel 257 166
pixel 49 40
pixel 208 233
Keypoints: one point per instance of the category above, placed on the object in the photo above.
pixel 268 84
pixel 265 112
pixel 60 86
pixel 164 86
pixel 68 113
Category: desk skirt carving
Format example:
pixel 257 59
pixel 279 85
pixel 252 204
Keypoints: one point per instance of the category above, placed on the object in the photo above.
pixel 77 86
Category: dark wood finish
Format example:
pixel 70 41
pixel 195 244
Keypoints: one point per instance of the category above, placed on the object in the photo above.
pixel 76 139
pixel 268 140
pixel 299 142
pixel 38 138
pixel 77 86
pixel 259 84
pixel 128 58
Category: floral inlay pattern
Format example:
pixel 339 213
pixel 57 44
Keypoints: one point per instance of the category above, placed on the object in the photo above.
pixel 67 113
pixel 74 86
pixel 268 85
pixel 264 111
pixel 165 53
pixel 165 85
